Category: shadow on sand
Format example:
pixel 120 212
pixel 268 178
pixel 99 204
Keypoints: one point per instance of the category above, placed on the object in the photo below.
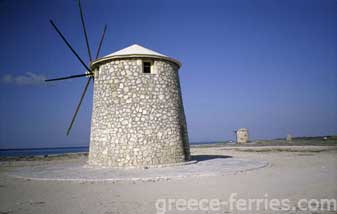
pixel 207 157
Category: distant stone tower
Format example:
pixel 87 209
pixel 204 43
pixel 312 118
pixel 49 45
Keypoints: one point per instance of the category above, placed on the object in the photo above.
pixel 138 116
pixel 242 135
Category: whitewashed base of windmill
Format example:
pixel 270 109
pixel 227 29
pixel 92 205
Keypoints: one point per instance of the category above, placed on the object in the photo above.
pixel 81 172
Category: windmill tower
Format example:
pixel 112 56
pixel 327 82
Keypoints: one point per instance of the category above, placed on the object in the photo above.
pixel 138 117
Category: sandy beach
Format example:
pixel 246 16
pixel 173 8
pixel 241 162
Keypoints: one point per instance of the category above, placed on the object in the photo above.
pixel 299 174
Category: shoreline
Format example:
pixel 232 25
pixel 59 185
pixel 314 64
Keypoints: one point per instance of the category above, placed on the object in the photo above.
pixel 310 144
pixel 233 147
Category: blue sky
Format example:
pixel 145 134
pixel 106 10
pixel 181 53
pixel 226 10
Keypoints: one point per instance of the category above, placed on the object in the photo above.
pixel 267 65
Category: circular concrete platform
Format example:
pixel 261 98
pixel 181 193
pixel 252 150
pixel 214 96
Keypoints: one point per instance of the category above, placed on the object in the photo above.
pixel 204 166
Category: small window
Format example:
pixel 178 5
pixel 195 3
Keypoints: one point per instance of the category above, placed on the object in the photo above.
pixel 147 67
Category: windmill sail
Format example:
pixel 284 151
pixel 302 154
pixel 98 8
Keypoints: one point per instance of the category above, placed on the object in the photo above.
pixel 89 73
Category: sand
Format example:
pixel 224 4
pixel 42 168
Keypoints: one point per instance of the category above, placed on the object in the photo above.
pixel 293 175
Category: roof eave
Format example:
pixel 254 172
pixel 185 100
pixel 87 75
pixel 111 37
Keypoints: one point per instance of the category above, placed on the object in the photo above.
pixel 99 61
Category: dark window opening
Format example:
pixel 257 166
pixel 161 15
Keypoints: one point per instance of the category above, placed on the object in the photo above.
pixel 147 67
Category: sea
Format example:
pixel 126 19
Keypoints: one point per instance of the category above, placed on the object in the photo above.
pixel 41 151
pixel 54 151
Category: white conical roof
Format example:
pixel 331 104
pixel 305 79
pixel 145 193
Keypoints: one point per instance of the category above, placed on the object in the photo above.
pixel 135 49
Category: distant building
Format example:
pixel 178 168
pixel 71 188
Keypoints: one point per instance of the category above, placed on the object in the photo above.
pixel 242 135
pixel 289 138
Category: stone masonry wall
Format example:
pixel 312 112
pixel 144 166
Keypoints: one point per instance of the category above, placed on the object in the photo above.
pixel 138 118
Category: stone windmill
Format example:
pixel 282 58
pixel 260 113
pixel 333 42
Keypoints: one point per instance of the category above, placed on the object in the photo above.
pixel 138 116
